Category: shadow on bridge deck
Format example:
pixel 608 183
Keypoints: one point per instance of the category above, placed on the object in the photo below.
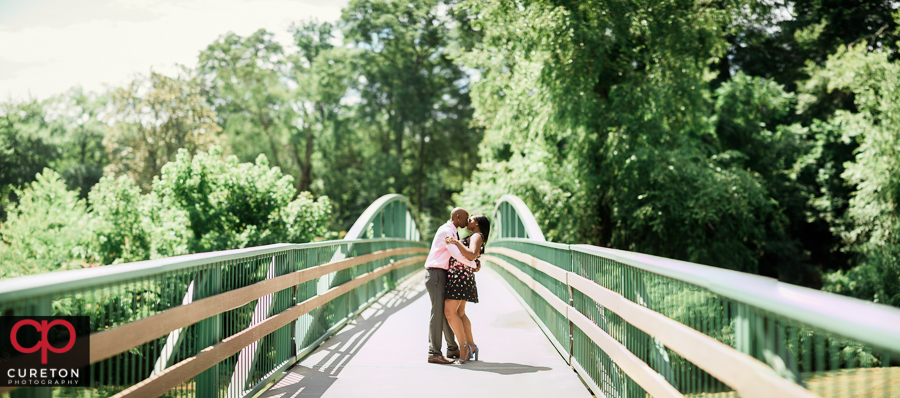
pixel 383 353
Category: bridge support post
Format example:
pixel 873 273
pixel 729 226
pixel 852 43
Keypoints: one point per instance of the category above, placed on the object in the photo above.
pixel 284 337
pixel 378 226
pixel 762 339
pixel 655 350
pixel 250 357
pixel 174 339
pixel 209 332
pixel 40 307
pixel 571 324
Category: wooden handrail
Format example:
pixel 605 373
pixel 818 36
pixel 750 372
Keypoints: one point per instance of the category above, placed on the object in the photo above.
pixel 190 367
pixel 633 366
pixel 114 341
pixel 745 374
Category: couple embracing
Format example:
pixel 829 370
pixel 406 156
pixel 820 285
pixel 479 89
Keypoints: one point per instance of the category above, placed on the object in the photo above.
pixel 450 281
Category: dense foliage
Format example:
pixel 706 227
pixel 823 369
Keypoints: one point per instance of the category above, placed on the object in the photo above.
pixel 155 119
pixel 44 231
pixel 330 128
pixel 352 122
pixel 198 204
pixel 748 135
pixel 756 136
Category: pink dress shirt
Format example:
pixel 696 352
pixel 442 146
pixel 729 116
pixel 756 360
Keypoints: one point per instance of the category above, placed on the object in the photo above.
pixel 441 251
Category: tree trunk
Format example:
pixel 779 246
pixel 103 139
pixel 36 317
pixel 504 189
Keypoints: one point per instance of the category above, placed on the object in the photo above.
pixel 421 174
pixel 605 226
pixel 306 171
pixel 396 123
pixel 83 146
pixel 274 148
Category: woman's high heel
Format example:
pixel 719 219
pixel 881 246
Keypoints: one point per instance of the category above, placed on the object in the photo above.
pixel 461 361
pixel 473 355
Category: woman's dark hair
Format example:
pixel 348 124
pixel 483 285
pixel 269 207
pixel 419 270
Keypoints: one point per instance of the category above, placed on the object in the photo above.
pixel 485 226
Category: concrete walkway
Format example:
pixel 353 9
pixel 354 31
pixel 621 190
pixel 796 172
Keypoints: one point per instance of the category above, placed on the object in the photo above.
pixel 383 353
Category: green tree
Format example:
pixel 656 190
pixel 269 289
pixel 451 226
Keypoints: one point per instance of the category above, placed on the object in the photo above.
pixel 154 118
pixel 756 129
pixel 127 226
pixel 872 78
pixel 247 79
pixel 44 230
pixel 606 105
pixel 118 228
pixel 202 203
pixel 292 107
pixel 63 133
pixel 876 279
pixel 323 74
pixel 28 144
pixel 870 226
pixel 776 40
pixel 232 205
pixel 333 163
pixel 414 101
pixel 550 187
pixel 82 155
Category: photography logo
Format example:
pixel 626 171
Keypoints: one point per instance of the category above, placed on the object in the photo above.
pixel 44 351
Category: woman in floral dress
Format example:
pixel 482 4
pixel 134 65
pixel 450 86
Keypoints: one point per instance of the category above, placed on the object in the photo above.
pixel 461 286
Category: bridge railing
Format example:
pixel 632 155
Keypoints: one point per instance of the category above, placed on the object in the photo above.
pixel 220 324
pixel 634 324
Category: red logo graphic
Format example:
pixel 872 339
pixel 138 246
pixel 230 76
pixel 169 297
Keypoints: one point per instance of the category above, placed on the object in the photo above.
pixel 42 345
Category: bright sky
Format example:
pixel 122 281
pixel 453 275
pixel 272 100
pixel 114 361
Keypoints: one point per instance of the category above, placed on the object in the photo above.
pixel 49 46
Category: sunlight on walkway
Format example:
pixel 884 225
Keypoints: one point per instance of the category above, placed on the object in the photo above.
pixel 383 353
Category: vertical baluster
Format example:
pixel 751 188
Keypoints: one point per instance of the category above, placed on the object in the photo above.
pixel 849 364
pixel 885 365
pixel 834 360
pixel 210 283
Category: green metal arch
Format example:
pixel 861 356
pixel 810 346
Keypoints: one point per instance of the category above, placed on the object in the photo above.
pixel 513 219
pixel 391 216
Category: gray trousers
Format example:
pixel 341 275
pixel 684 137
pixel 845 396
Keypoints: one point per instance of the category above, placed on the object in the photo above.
pixel 436 284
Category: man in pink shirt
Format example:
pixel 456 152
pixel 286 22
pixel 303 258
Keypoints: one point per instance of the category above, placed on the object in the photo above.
pixel 436 267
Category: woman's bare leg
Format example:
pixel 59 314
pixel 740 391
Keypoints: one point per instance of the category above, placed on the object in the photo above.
pixel 467 325
pixel 450 311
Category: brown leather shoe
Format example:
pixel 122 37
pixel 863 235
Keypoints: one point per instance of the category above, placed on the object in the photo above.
pixel 439 359
pixel 453 354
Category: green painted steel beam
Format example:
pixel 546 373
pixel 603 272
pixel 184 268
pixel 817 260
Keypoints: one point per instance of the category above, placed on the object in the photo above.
pixel 375 214
pixel 517 209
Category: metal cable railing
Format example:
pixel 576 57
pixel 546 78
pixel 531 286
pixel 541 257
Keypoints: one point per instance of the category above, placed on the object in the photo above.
pixel 634 324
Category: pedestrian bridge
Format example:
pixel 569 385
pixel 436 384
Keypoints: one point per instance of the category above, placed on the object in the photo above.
pixel 348 318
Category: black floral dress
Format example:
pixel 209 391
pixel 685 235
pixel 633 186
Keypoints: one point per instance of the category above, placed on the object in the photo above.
pixel 461 279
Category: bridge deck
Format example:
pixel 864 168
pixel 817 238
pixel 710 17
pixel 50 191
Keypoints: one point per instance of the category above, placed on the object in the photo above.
pixel 383 353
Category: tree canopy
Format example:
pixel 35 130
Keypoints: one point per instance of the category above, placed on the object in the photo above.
pixel 755 136
pixel 744 135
